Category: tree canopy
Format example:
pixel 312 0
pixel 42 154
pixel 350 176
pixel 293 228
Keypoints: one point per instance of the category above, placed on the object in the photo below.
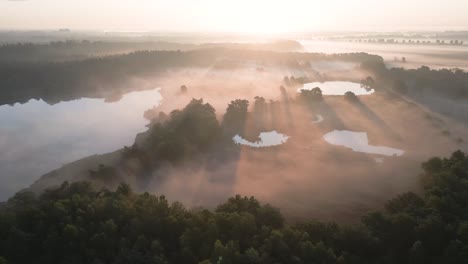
pixel 76 223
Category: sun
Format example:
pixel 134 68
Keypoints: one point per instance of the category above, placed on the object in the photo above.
pixel 267 17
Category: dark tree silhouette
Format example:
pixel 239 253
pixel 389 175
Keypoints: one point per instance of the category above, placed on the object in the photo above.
pixel 77 223
pixel 351 97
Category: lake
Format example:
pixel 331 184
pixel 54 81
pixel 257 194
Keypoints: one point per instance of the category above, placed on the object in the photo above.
pixel 36 137
pixel 338 88
pixel 358 142
pixel 267 139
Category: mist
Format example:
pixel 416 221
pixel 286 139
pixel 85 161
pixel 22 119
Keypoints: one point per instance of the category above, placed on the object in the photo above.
pixel 306 176
pixel 343 183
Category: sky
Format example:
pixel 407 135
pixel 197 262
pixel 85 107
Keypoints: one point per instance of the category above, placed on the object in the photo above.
pixel 249 16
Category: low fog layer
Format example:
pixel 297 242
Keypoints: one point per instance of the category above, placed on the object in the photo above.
pixel 306 176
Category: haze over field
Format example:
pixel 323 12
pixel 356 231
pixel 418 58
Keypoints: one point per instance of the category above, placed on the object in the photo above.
pixel 206 132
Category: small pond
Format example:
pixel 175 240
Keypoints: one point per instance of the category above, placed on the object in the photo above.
pixel 267 139
pixel 358 141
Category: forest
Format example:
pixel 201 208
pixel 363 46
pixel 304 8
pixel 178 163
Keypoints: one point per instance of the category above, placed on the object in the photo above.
pixel 99 76
pixel 77 223
pixel 111 76
pixel 70 50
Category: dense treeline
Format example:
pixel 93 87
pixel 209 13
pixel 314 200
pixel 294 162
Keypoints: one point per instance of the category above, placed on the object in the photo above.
pixel 444 82
pixel 74 223
pixel 106 77
pixel 60 51
pixel 450 83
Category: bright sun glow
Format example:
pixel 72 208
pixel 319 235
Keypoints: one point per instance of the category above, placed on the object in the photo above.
pixel 249 16
pixel 264 17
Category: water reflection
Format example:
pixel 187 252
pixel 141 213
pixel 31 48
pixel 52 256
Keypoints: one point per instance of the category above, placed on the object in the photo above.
pixel 36 138
pixel 358 141
pixel 267 139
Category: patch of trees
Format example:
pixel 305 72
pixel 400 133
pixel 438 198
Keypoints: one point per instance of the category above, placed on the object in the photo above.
pixel 444 82
pixel 311 96
pixel 368 83
pixel 351 97
pixel 376 68
pixel 186 132
pixel 235 116
pixel 76 223
pixel 400 86
pixel 295 81
pixel 192 133
pixel 450 83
